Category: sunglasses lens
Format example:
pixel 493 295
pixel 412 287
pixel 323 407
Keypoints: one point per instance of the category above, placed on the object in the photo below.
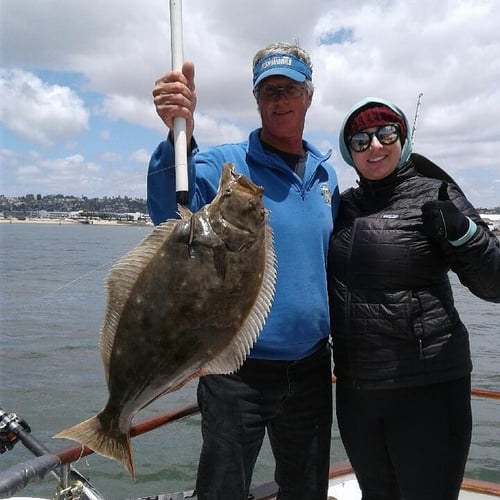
pixel 388 134
pixel 271 92
pixel 359 142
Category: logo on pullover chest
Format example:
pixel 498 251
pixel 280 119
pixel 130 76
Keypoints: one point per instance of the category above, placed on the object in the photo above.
pixel 390 216
pixel 326 194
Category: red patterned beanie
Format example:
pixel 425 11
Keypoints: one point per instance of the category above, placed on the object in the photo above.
pixel 374 115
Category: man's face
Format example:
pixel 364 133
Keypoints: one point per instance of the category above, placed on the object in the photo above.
pixel 282 103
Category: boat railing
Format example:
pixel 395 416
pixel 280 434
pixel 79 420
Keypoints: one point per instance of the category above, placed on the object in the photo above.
pixel 20 475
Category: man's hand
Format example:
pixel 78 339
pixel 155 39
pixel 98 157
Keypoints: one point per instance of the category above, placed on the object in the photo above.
pixel 174 96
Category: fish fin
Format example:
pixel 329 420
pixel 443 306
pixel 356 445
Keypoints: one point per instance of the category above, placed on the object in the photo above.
pixel 91 434
pixel 232 357
pixel 184 212
pixel 120 281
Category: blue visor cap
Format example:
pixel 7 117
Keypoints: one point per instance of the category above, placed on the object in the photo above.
pixel 283 65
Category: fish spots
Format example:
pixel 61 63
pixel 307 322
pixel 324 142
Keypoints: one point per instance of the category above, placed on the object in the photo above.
pixel 173 315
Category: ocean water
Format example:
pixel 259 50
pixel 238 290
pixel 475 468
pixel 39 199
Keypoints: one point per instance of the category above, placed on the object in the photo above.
pixel 51 309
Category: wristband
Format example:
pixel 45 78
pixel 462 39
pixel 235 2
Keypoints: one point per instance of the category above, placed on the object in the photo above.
pixel 467 236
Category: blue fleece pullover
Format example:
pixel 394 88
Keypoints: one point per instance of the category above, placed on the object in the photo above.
pixel 301 214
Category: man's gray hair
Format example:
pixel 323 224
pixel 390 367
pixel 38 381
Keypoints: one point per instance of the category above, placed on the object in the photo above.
pixel 286 48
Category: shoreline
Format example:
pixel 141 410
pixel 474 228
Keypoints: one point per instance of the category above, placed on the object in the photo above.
pixel 99 222
pixel 61 222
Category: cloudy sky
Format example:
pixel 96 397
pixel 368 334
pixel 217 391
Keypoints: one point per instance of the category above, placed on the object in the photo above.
pixel 77 115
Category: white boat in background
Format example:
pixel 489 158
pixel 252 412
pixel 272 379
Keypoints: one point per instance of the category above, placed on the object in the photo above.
pixel 72 485
pixel 343 486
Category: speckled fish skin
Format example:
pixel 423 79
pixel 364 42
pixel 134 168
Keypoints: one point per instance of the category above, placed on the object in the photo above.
pixel 189 300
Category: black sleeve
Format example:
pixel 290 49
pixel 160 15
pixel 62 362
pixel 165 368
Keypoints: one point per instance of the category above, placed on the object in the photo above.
pixel 476 262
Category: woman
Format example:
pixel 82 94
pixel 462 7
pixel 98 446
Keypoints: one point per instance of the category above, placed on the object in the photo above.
pixel 401 353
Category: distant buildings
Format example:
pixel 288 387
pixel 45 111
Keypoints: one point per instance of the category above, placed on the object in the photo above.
pixel 120 209
pixel 72 208
pixel 493 221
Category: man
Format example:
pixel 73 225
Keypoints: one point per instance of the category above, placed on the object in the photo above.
pixel 284 386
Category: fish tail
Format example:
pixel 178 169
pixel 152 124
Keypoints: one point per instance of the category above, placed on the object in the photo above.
pixel 105 442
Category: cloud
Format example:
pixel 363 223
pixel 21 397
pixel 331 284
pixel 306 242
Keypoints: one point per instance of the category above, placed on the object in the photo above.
pixel 111 157
pixel 140 156
pixel 130 109
pixel 105 66
pixel 47 176
pixel 38 112
pixel 73 175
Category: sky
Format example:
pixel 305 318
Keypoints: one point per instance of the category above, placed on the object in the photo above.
pixel 77 115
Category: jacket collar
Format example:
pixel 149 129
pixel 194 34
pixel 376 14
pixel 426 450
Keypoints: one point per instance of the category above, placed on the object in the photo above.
pixel 386 185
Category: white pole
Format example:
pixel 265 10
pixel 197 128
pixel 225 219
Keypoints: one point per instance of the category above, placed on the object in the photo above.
pixel 180 144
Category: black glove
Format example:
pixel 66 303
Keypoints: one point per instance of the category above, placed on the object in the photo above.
pixel 442 218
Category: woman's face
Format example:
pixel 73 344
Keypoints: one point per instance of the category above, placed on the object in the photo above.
pixel 379 160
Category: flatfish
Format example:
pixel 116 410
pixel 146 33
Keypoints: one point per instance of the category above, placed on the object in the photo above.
pixel 189 300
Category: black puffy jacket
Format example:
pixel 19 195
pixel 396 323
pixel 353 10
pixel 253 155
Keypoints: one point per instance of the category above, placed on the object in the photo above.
pixel 393 319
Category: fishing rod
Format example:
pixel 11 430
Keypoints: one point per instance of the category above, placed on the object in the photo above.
pixel 180 140
pixel 74 452
pixel 15 478
pixel 37 468
pixel 72 483
pixel 414 128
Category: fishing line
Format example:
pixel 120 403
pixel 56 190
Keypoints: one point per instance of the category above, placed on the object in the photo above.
pixel 38 301
pixel 79 278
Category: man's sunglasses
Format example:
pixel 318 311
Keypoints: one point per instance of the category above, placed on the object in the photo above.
pixel 386 135
pixel 269 92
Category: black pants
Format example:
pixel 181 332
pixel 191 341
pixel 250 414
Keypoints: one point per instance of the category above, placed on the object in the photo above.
pixel 293 401
pixel 410 443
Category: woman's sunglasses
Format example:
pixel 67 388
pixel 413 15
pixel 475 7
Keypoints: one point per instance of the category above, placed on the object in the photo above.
pixel 386 135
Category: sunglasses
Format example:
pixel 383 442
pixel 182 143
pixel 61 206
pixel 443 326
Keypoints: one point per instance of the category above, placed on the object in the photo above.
pixel 271 92
pixel 386 135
